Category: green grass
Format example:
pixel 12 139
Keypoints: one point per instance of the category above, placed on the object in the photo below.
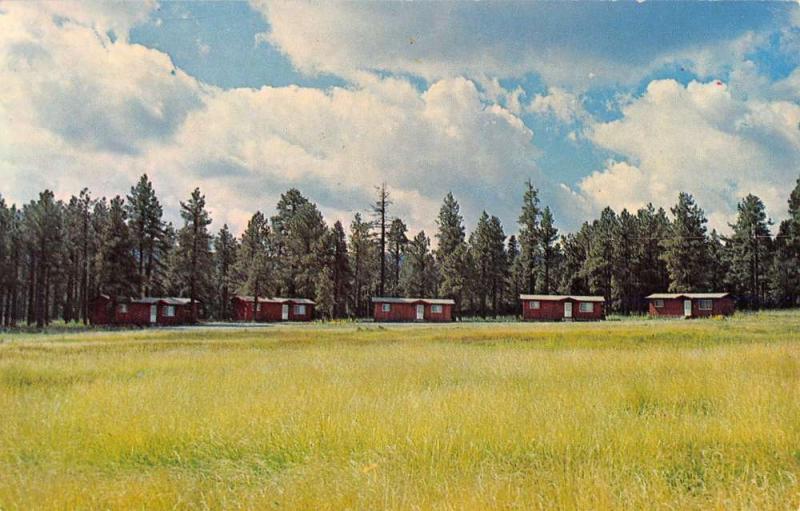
pixel 622 414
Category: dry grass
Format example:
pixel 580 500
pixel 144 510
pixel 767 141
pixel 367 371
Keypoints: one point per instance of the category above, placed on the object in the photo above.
pixel 667 414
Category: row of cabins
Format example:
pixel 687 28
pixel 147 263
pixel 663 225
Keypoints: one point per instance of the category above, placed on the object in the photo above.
pixel 559 307
pixel 167 311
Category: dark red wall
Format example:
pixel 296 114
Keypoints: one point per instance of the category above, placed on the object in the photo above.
pixel 552 310
pixel 673 307
pixel 270 311
pixel 408 312
pixel 102 313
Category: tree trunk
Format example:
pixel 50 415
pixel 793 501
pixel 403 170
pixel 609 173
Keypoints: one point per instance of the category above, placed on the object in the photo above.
pixel 30 313
pixel 255 301
pixel 40 285
pixel 194 271
pixel 84 293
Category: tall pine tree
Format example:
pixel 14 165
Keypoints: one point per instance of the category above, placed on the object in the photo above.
pixel 194 249
pixel 750 250
pixel 529 235
pixel 116 264
pixel 254 262
pixel 225 248
pixel 685 247
pixel 144 220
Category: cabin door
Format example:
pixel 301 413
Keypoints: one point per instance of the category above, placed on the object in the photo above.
pixel 568 309
pixel 420 312
pixel 153 313
pixel 687 308
pixel 285 311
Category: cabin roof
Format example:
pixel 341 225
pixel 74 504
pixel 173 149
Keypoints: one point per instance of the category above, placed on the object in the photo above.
pixel 168 300
pixel 275 299
pixel 429 301
pixel 559 298
pixel 698 296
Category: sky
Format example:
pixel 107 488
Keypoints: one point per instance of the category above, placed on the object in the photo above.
pixel 598 104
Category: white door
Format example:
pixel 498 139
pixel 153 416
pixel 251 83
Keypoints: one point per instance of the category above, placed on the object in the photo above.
pixel 153 313
pixel 567 309
pixel 687 308
pixel 285 312
pixel 420 312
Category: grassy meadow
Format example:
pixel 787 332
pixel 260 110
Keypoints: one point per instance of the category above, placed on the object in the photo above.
pixel 698 414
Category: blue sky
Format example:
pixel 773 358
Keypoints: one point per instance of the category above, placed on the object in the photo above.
pixel 598 103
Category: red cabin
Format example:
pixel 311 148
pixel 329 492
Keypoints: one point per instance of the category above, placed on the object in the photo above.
pixel 272 309
pixel 159 311
pixel 690 305
pixel 562 308
pixel 412 309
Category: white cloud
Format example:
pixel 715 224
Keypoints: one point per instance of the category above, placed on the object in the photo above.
pixel 576 45
pixel 699 139
pixel 247 146
pixel 66 76
pixel 87 110
pixel 563 105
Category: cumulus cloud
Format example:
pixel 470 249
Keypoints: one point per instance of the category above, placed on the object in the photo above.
pixel 559 103
pixel 336 145
pixel 67 76
pixel 88 109
pixel 698 138
pixel 83 106
pixel 579 45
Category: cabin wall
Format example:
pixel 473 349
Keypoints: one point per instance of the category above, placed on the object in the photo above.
pixel 552 310
pixel 399 312
pixel 270 311
pixel 308 316
pixel 183 314
pixel 100 312
pixel 549 310
pixel 408 312
pixel 673 307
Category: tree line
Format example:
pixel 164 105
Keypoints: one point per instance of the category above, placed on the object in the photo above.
pixel 56 256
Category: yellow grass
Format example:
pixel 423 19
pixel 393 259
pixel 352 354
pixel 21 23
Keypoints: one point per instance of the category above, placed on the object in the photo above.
pixel 648 414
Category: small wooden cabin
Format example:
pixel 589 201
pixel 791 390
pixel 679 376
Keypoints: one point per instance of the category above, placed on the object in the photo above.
pixel 412 309
pixel 247 308
pixel 562 308
pixel 690 305
pixel 157 311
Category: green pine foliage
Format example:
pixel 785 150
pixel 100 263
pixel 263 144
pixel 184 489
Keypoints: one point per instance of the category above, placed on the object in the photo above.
pixel 685 250
pixel 57 256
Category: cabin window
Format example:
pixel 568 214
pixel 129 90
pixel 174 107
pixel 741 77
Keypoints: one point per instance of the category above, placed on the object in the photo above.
pixel 705 305
pixel 436 309
pixel 586 307
pixel 169 311
pixel 122 308
pixel 386 307
pixel 258 307
pixel 299 310
pixel 659 303
pixel 535 304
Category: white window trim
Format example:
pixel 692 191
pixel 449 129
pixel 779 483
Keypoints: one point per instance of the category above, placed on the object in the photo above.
pixel 299 309
pixel 658 303
pixel 535 305
pixel 705 301
pixel 122 308
pixel 586 307
pixel 169 311
pixel 258 307
pixel 436 309
pixel 386 307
